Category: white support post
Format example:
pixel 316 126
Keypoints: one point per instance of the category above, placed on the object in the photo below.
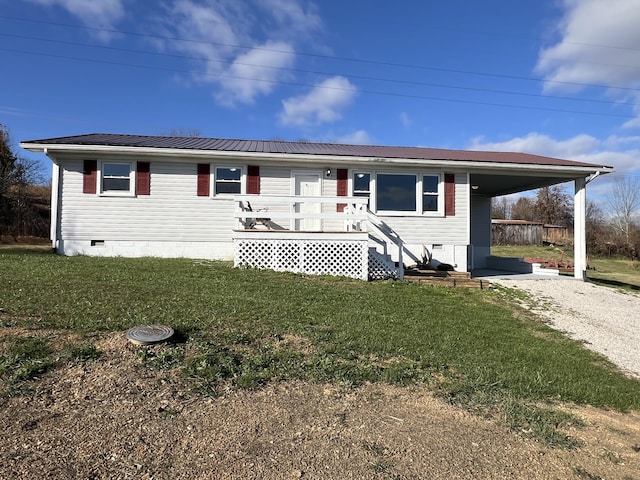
pixel 579 230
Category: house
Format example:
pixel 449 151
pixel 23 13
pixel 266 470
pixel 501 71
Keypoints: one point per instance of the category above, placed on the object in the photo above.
pixel 308 207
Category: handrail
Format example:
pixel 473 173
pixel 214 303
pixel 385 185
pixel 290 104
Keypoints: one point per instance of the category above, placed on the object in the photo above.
pixel 386 231
pixel 292 199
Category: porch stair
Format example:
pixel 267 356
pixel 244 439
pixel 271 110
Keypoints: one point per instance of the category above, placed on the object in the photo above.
pixel 381 266
pixel 444 279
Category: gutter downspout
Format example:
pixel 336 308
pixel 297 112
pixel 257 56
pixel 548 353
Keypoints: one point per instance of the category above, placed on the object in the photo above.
pixel 592 178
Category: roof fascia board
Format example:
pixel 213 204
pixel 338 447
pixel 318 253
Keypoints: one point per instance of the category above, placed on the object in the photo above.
pixel 308 158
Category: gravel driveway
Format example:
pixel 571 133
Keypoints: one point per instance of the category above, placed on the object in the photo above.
pixel 606 319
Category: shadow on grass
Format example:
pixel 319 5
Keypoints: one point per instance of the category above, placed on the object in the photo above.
pixel 181 335
pixel 12 249
pixel 614 283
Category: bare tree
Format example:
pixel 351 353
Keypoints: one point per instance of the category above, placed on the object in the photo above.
pixel 8 161
pixel 183 132
pixel 523 209
pixel 623 203
pixel 23 198
pixel 501 208
pixel 553 206
pixel 595 229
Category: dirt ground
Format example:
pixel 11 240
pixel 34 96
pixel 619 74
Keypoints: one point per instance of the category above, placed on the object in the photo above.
pixel 111 419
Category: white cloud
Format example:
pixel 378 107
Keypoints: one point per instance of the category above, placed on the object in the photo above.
pixel 359 137
pixel 540 144
pixel 322 104
pixel 292 14
pixel 255 72
pixel 241 49
pixel 95 13
pixel 600 44
pixel 405 120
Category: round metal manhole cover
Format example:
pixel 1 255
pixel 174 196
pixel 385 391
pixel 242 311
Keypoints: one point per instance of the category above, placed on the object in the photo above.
pixel 148 334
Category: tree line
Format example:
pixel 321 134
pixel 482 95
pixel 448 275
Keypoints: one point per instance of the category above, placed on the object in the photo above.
pixel 24 197
pixel 612 226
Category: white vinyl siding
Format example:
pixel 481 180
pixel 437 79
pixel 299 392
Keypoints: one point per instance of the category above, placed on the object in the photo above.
pixel 173 213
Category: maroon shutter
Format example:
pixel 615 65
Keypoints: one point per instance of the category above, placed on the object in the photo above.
pixel 90 175
pixel 342 187
pixel 203 179
pixel 143 178
pixel 449 194
pixel 253 180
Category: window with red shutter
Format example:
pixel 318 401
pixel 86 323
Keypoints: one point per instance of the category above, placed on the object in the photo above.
pixel 342 188
pixel 143 178
pixel 449 194
pixel 253 180
pixel 204 173
pixel 90 176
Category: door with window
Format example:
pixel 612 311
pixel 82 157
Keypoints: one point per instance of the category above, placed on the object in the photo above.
pixel 308 184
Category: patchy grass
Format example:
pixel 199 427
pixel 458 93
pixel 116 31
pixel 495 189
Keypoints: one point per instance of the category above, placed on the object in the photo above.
pixel 25 359
pixel 82 353
pixel 613 271
pixel 244 328
pixel 519 251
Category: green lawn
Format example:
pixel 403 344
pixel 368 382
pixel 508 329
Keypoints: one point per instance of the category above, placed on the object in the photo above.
pixel 474 348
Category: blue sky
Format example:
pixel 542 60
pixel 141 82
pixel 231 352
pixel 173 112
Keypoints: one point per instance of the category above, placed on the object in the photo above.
pixel 552 77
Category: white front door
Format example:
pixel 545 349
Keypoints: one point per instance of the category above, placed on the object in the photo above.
pixel 308 185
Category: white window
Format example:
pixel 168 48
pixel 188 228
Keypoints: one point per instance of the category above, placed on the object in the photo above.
pixel 362 185
pixel 407 193
pixel 117 178
pixel 228 180
pixel 430 193
pixel 396 192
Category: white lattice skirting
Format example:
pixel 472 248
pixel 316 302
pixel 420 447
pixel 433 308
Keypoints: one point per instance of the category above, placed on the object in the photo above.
pixel 347 258
pixel 381 267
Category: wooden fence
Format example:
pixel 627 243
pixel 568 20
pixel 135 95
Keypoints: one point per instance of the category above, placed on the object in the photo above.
pixel 520 232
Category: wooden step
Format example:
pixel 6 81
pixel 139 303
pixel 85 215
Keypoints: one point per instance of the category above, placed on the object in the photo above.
pixel 436 274
pixel 448 281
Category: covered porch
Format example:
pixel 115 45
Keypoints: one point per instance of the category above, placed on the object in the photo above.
pixel 485 186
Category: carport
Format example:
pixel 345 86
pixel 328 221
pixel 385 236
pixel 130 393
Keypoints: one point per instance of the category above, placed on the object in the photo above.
pixel 516 177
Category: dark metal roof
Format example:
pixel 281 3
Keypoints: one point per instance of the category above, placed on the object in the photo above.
pixel 305 148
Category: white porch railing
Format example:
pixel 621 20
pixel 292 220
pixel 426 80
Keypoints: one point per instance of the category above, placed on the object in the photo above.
pixel 270 210
pixel 282 233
